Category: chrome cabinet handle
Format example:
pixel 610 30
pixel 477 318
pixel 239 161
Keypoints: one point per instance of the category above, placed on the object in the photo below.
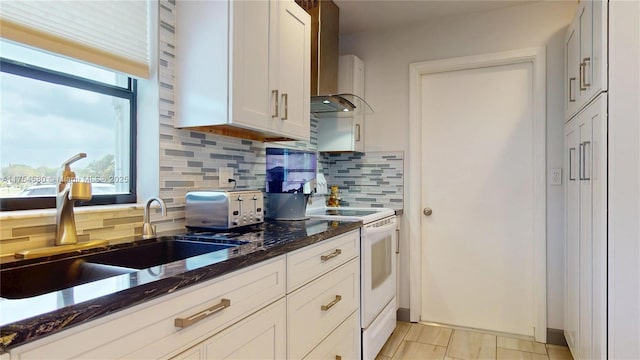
pixel 571 89
pixel 357 132
pixel 331 304
pixel 285 100
pixel 335 253
pixel 586 61
pixel 274 93
pixel 397 241
pixel 571 150
pixel 584 161
pixel 580 162
pixel 582 87
pixel 188 321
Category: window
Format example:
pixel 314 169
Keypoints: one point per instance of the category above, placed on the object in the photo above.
pixel 52 108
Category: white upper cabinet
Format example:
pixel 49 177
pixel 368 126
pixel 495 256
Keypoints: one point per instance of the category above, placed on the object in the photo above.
pixel 243 68
pixel 345 133
pixel 586 56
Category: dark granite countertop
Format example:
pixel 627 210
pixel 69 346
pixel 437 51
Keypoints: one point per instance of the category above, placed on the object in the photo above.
pixel 28 319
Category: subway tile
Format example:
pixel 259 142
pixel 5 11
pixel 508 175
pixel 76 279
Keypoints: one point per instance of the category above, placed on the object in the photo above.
pixel 33 230
pixel 123 220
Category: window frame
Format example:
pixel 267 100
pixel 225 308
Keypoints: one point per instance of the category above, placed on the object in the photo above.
pixel 55 77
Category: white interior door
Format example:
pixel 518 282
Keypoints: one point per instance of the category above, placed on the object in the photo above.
pixel 478 177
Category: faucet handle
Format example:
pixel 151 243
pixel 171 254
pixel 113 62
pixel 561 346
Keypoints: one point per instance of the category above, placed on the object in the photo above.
pixel 66 166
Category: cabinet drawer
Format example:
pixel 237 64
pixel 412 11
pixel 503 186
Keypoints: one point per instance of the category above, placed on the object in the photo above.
pixel 310 262
pixel 343 343
pixel 260 336
pixel 316 309
pixel 148 330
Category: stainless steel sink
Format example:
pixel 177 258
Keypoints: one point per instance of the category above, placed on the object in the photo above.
pixel 44 277
pixel 156 253
pixel 41 278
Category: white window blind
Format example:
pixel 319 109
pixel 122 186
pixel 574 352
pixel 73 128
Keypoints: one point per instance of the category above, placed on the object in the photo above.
pixel 109 33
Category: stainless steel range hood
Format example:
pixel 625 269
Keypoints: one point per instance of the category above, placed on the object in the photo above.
pixel 325 101
pixel 340 105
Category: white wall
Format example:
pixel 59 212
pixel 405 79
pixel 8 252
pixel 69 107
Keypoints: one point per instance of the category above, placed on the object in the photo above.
pixel 387 55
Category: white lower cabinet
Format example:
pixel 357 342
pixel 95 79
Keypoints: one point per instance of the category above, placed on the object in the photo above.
pixel 262 335
pixel 323 297
pixel 343 343
pixel 149 331
pixel 585 231
pixel 247 314
pixel 318 308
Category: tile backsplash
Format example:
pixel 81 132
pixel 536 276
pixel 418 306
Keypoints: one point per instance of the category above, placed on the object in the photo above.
pixel 190 160
pixel 374 179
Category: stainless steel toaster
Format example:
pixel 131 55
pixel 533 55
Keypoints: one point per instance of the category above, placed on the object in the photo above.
pixel 219 209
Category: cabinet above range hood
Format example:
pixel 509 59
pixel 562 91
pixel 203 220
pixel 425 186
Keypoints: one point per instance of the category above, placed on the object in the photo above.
pixel 325 99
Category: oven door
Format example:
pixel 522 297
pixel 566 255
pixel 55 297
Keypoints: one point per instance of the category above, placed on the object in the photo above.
pixel 378 270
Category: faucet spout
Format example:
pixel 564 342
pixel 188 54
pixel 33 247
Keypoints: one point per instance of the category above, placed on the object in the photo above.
pixel 148 229
pixel 68 192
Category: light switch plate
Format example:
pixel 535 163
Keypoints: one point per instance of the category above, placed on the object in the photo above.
pixel 224 174
pixel 556 177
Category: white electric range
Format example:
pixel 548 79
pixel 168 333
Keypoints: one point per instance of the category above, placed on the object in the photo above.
pixel 377 270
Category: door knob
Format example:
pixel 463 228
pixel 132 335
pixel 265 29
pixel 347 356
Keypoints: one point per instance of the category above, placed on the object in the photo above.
pixel 427 211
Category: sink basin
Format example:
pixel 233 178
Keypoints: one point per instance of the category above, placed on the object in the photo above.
pixel 157 253
pixel 41 278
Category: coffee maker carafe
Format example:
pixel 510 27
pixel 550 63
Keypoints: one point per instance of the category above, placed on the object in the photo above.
pixel 291 179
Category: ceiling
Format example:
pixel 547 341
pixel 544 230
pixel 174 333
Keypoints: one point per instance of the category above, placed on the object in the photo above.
pixel 366 15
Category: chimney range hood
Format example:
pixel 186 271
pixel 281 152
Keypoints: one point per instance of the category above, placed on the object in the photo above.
pixel 325 101
pixel 340 105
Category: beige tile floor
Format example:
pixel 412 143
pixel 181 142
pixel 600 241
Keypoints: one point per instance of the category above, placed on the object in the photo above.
pixel 423 342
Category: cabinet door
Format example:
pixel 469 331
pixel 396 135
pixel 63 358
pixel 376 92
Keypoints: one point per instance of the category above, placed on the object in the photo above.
pixel 585 28
pixel 592 16
pixel 586 231
pixel 593 236
pixel 572 235
pixel 260 336
pixel 586 244
pixel 571 66
pixel 292 62
pixel 253 103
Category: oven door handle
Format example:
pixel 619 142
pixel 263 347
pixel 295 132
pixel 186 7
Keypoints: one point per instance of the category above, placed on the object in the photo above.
pixel 367 231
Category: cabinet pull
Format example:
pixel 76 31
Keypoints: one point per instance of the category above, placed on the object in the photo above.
pixel 586 61
pixel 397 241
pixel 580 162
pixel 285 100
pixel 582 87
pixel 335 253
pixel 274 93
pixel 330 305
pixel 357 132
pixel 571 151
pixel 188 321
pixel 571 89
pixel 584 161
